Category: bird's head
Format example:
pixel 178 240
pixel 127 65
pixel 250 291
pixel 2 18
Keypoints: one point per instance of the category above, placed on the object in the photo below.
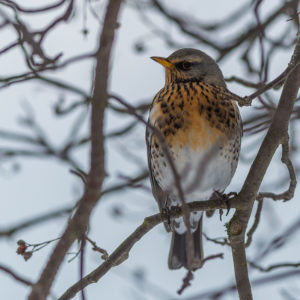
pixel 188 64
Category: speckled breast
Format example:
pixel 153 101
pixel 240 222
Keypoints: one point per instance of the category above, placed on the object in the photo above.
pixel 202 129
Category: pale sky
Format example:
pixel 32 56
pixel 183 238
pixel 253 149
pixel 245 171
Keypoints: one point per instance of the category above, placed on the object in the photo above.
pixel 44 185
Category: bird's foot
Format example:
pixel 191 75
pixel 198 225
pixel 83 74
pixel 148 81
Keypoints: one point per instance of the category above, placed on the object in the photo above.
pixel 226 198
pixel 166 211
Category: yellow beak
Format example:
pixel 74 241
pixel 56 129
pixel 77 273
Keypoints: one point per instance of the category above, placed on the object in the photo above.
pixel 163 61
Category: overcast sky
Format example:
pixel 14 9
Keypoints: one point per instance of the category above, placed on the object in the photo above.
pixel 40 186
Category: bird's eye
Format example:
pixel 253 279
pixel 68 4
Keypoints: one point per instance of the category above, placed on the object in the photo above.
pixel 185 65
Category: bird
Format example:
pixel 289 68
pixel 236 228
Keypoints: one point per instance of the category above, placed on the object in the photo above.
pixel 200 126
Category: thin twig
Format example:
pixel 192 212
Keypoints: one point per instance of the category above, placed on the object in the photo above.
pixel 279 240
pixel 82 252
pixel 261 34
pixel 272 83
pixel 244 82
pixel 214 256
pixel 15 276
pixel 255 224
pixel 189 276
pixel 186 281
pixel 104 253
pixel 35 220
pixel 215 294
pixel 272 267
pixel 289 193
pixel 224 241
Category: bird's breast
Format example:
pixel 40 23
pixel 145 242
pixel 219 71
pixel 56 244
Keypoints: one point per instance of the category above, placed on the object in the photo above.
pixel 200 130
pixel 193 114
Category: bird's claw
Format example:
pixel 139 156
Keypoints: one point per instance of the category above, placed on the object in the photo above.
pixel 166 211
pixel 226 198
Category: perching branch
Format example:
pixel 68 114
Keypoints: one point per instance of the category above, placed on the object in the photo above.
pixel 122 252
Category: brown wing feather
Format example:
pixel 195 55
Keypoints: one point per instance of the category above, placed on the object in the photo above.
pixel 160 196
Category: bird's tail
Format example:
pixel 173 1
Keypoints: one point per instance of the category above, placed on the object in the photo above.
pixel 178 251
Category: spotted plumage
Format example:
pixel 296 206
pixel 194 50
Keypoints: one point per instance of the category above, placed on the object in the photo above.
pixel 202 129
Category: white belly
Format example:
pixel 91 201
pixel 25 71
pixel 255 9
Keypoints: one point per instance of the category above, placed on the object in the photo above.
pixel 201 173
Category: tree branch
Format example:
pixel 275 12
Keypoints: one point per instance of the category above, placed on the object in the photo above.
pixel 275 266
pixel 36 220
pixel 275 136
pixel 255 224
pixel 80 220
pixel 122 252
pixel 15 276
pixel 289 193
pixel 215 294
pixel 13 229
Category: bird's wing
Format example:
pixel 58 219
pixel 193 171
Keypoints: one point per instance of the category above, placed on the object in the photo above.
pixel 160 196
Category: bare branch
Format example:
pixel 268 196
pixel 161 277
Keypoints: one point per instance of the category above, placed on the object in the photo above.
pixel 220 241
pixel 34 221
pixel 255 224
pixel 244 82
pixel 104 253
pixel 189 276
pixel 289 193
pixel 78 223
pixel 275 136
pixel 122 252
pixel 278 241
pixel 28 10
pixel 215 294
pixel 220 255
pixel 186 282
pixel 11 230
pixel 272 267
pixel 82 252
pixel 261 34
pixel 247 100
pixel 292 65
pixel 15 276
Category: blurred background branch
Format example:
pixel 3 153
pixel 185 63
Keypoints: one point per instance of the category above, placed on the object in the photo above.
pixel 47 57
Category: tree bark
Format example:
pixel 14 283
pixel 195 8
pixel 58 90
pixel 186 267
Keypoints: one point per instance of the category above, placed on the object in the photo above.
pixel 79 222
